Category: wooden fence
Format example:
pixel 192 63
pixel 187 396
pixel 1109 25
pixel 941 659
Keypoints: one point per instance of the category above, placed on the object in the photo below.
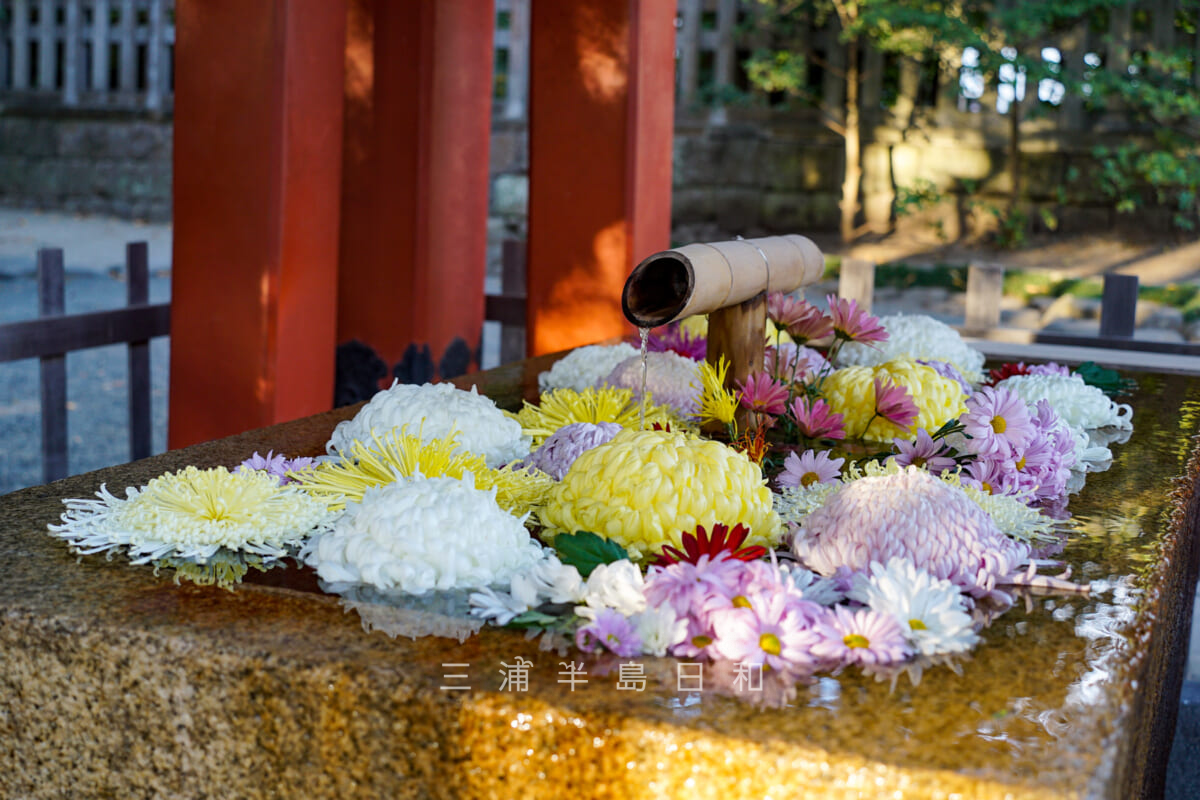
pixel 54 334
pixel 105 54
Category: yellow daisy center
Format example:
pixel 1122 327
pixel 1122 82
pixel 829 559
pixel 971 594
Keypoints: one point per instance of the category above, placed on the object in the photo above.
pixel 856 640
pixel 917 625
pixel 701 641
pixel 999 425
pixel 769 643
pixel 809 479
pixel 918 461
pixel 741 602
pixel 987 487
pixel 1021 463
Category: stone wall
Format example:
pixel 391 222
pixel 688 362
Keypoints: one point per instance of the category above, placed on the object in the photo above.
pixel 89 164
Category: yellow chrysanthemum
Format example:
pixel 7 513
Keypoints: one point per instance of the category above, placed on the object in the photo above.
pixel 565 406
pixel 400 455
pixel 851 393
pixel 716 402
pixel 644 489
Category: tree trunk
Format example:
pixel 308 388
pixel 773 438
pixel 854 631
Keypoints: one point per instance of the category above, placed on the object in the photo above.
pixel 853 174
pixel 1014 151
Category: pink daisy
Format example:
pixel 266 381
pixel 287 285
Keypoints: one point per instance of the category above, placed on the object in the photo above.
pixel 994 474
pixel 852 324
pixel 803 321
pixel 772 629
pixel 762 394
pixel 809 468
pixel 924 452
pixel 864 636
pixel 815 419
pixel 997 420
pixel 686 587
pixel 893 403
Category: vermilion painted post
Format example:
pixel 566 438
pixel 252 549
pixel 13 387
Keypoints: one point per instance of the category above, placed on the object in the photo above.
pixel 415 198
pixel 600 129
pixel 257 174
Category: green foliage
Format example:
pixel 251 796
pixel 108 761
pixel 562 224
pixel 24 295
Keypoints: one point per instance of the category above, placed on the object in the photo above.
pixel 1106 380
pixel 585 551
pixel 923 194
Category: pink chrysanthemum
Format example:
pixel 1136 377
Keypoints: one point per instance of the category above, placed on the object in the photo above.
pixel 809 468
pixel 815 420
pixel 762 394
pixel 803 321
pixel 860 637
pixel 894 403
pixel 772 629
pixel 994 474
pixel 997 420
pixel 924 452
pixel 853 324
pixel 687 587
pixel 612 631
pixel 910 515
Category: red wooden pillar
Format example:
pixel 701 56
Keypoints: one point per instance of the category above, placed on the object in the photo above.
pixel 600 128
pixel 415 195
pixel 257 171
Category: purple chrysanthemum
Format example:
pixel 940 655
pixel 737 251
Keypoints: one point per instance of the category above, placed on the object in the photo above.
pixel 671 379
pixel 277 465
pixel 674 338
pixel 947 370
pixel 924 452
pixel 559 451
pixel 612 631
pixel 910 515
pixel 808 468
pixel 863 636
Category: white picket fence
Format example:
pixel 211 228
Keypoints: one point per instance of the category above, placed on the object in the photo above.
pixel 111 54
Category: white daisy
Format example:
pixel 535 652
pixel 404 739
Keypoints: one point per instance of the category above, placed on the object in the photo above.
pixel 931 611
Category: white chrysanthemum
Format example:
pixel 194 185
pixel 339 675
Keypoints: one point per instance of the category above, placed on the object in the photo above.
pixel 914 336
pixel 583 367
pixel 193 513
pixel 618 586
pixel 930 610
pixel 433 411
pixel 1079 405
pixel 422 535
pixel 671 379
pixel 913 515
pixel 659 629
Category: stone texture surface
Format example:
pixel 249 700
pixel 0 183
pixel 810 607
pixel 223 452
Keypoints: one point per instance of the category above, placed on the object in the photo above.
pixel 115 682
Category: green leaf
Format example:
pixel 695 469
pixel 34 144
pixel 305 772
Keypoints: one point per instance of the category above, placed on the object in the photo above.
pixel 585 551
pixel 1106 380
pixel 532 619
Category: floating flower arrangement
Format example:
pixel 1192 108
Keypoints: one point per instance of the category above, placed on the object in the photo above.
pixel 870 502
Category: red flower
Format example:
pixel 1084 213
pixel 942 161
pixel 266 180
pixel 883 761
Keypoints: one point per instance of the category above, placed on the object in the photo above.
pixel 723 542
pixel 1006 371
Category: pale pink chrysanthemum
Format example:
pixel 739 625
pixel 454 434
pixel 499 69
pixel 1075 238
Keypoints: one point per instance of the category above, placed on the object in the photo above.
pixel 790 361
pixel 997 420
pixel 772 629
pixel 853 324
pixel 910 515
pixel 762 394
pixel 815 419
pixel 809 468
pixel 894 403
pixel 671 379
pixel 863 636
pixel 686 587
pixel 561 448
pixel 924 452
pixel 612 631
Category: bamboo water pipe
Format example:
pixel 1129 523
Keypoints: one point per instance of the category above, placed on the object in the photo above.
pixel 729 281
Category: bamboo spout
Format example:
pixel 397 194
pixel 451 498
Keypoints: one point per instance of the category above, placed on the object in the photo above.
pixel 702 278
pixel 729 281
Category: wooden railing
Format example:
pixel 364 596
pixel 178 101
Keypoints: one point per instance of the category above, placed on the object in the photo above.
pixel 106 54
pixel 54 334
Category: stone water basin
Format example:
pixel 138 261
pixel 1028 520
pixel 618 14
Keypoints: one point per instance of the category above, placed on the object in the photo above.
pixel 115 682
